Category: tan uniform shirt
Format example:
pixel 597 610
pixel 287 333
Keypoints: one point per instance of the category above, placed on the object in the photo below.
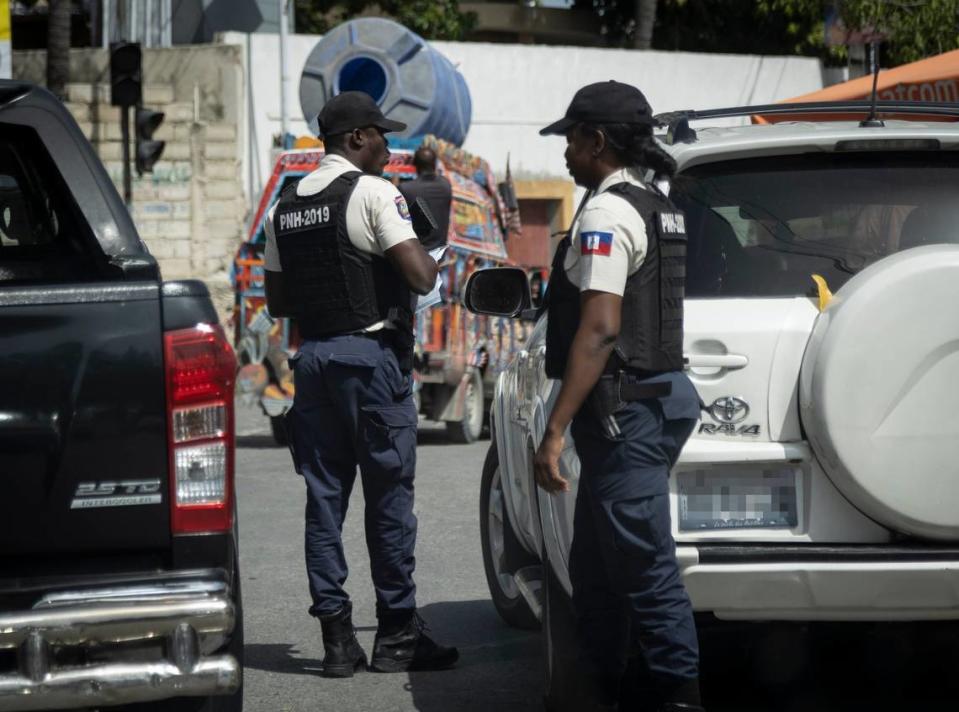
pixel 608 239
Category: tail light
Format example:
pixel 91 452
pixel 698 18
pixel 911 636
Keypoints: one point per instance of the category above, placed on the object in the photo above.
pixel 200 371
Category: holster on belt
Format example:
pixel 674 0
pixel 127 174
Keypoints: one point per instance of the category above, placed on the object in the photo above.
pixel 613 391
pixel 402 342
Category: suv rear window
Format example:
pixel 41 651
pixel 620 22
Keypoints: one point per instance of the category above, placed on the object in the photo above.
pixel 761 227
pixel 43 235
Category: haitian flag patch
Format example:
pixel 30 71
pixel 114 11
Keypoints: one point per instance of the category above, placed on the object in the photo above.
pixel 595 243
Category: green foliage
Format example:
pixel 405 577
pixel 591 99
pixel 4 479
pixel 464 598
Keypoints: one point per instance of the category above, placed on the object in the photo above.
pixel 722 26
pixel 431 19
pixel 913 28
pixel 616 18
pixel 730 26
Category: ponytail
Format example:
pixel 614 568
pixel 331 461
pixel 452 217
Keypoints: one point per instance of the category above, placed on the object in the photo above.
pixel 635 146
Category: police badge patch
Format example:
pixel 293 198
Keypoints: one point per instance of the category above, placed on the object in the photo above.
pixel 401 207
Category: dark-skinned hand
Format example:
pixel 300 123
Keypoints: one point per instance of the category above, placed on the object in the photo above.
pixel 546 464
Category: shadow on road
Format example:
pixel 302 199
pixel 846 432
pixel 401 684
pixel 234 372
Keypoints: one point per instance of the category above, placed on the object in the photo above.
pixel 279 657
pixel 829 667
pixel 426 436
pixel 258 442
pixel 499 667
pixel 432 433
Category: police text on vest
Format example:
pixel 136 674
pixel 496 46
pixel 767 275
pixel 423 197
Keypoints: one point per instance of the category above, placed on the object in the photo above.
pixel 306 217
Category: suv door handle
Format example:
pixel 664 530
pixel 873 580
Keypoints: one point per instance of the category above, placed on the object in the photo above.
pixel 716 361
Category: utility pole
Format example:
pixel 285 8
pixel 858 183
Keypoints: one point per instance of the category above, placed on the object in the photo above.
pixel 58 47
pixel 645 22
pixel 125 137
pixel 126 90
pixel 284 69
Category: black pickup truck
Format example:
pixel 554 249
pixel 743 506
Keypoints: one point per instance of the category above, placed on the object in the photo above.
pixel 119 583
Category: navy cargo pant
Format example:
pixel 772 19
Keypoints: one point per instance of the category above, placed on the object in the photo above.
pixel 354 408
pixel 626 582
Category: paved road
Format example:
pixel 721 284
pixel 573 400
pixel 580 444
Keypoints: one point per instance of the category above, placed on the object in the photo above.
pixel 755 668
pixel 499 666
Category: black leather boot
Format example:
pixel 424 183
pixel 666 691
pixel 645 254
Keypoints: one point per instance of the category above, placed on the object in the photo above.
pixel 682 697
pixel 402 644
pixel 343 652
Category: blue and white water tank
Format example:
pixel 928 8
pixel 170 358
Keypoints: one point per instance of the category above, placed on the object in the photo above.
pixel 410 80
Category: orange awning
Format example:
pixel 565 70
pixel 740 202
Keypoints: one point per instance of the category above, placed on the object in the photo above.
pixel 932 79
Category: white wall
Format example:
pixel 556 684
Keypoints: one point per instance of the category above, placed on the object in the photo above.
pixel 517 89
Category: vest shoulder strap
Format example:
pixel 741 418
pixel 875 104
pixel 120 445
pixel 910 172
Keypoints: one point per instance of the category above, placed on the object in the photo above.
pixel 668 222
pixel 641 198
pixel 289 191
pixel 343 183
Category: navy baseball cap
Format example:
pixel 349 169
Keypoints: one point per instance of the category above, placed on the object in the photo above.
pixel 604 103
pixel 353 110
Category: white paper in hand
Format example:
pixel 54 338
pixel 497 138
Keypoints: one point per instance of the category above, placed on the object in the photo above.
pixel 434 296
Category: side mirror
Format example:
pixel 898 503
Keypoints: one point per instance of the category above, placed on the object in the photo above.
pixel 500 291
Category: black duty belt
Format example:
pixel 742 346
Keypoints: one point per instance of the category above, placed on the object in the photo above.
pixel 614 390
pixel 639 391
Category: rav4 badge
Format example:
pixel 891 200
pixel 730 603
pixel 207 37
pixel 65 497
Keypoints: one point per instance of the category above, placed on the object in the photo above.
pixel 728 412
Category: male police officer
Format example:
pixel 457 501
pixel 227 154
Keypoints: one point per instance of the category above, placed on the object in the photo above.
pixel 435 191
pixel 342 258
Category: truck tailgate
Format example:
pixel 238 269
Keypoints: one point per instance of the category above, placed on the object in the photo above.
pixel 83 425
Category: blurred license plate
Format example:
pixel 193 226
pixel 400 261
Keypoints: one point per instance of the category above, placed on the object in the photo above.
pixel 751 498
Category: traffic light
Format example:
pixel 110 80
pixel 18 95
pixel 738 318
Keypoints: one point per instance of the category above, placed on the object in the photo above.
pixel 148 151
pixel 125 73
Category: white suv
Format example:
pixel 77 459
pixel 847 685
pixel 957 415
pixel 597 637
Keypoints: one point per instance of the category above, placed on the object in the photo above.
pixel 822 482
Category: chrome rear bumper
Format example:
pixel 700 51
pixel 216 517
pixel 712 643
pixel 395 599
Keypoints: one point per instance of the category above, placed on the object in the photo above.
pixel 172 628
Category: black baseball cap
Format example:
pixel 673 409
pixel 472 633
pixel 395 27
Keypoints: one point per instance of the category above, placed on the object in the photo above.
pixel 353 110
pixel 604 103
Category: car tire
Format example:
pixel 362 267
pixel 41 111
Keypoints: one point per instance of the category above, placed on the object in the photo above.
pixel 470 428
pixel 562 685
pixel 278 428
pixel 503 555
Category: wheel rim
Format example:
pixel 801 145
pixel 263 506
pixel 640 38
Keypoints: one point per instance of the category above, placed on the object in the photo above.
pixel 473 407
pixel 497 546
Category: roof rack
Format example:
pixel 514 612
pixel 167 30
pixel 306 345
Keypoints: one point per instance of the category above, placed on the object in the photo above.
pixel 678 130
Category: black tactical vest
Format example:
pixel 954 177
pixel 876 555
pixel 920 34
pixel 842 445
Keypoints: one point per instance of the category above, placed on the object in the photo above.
pixel 651 334
pixel 330 285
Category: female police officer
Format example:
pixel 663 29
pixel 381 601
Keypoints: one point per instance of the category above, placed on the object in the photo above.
pixel 614 337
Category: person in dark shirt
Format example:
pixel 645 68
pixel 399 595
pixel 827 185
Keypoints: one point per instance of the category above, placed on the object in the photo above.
pixel 435 191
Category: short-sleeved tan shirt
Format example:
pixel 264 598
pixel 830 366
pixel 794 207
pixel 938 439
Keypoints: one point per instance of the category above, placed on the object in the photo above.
pixel 608 239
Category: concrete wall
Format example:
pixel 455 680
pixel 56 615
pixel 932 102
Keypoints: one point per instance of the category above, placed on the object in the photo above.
pixel 191 210
pixel 517 89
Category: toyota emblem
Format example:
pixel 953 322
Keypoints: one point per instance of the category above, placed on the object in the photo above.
pixel 729 409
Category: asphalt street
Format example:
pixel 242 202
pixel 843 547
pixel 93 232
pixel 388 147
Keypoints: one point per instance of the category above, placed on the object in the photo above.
pixel 745 667
pixel 499 667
